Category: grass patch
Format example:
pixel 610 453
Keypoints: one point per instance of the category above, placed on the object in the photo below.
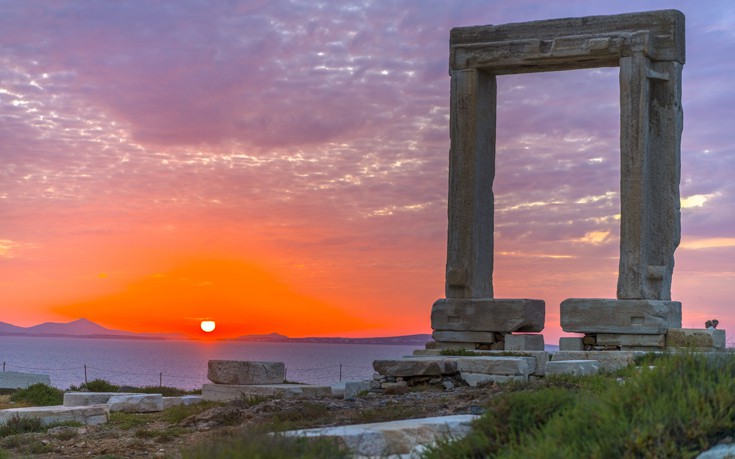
pixel 262 446
pixel 306 414
pixel 39 394
pixel 178 413
pixel 102 385
pixel 17 425
pixel 683 406
pixel 127 421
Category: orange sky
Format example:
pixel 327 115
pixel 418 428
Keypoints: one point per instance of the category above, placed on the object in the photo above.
pixel 283 168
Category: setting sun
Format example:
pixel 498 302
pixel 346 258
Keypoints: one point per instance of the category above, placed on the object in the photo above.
pixel 207 325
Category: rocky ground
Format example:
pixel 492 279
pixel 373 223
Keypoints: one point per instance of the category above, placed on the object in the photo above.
pixel 168 433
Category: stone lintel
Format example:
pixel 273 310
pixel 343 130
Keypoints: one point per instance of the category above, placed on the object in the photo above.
pixel 464 336
pixel 488 314
pixel 696 338
pixel 479 379
pixel 546 41
pixel 525 342
pixel 497 365
pixel 616 339
pixel 634 317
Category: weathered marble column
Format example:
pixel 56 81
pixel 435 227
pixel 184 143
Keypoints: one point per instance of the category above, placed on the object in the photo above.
pixel 650 137
pixel 471 173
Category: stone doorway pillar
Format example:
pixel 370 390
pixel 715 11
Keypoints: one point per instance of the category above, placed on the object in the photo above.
pixel 649 49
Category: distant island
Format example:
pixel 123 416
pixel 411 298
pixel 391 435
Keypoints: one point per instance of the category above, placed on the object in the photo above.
pixel 419 339
pixel 84 328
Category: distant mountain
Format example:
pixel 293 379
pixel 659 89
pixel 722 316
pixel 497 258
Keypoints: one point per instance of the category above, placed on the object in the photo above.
pixel 419 339
pixel 80 328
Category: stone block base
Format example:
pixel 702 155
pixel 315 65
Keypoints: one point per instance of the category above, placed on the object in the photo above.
pixel 245 372
pixel 695 338
pixel 488 315
pixel 634 317
pixel 531 342
pixel 608 360
pixel 479 379
pixel 571 344
pixel 464 336
pixel 573 367
pixel 228 392
pixel 541 357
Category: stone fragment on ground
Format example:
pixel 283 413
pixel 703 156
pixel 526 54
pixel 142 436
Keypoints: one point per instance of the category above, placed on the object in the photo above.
pixel 383 439
pixel 230 392
pixel 573 367
pixel 185 400
pixel 136 403
pixel 245 372
pixel 91 415
pixel 726 451
pixel 89 398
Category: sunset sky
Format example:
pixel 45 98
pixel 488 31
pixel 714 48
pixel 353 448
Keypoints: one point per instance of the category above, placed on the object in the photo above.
pixel 281 166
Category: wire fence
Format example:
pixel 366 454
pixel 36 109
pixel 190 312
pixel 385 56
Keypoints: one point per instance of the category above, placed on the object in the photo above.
pixel 89 373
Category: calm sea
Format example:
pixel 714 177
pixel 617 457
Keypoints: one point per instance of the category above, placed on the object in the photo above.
pixel 184 363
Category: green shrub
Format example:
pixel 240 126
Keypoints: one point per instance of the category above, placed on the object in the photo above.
pixel 39 394
pixel 683 406
pixel 96 385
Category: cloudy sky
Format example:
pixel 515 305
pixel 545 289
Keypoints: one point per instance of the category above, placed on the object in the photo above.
pixel 282 165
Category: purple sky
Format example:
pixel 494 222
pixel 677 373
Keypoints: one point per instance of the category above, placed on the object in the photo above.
pixel 310 139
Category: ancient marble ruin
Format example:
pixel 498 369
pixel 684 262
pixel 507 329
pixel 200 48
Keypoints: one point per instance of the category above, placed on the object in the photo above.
pixel 649 49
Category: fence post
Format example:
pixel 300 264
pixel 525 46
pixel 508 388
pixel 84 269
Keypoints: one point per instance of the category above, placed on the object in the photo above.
pixel 3 366
pixel 160 380
pixel 340 372
pixel 85 374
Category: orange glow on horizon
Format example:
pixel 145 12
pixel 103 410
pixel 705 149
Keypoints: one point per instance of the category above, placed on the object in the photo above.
pixel 245 299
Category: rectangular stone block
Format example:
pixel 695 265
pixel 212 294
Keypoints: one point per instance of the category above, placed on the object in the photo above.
pixel 443 345
pixel 573 367
pixel 524 342
pixel 488 314
pixel 354 388
pixel 477 379
pixel 609 360
pixel 90 415
pixel 90 398
pixel 184 400
pixel 695 337
pixel 245 372
pixel 614 339
pixel 136 403
pixel 464 336
pixel 541 357
pixel 409 367
pixel 18 380
pixel 570 344
pixel 497 365
pixel 229 392
pixel 635 317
